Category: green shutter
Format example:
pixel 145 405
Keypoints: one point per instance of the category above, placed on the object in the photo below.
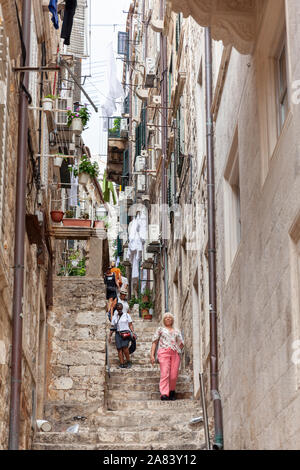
pixel 125 173
pixel 143 128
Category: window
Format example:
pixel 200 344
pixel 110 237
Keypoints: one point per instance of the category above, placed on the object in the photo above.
pixel 232 209
pixel 123 44
pixel 178 30
pixel 272 81
pixel 282 88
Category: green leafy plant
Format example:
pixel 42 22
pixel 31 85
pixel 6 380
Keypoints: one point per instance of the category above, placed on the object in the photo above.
pixel 69 214
pixel 86 166
pixel 143 305
pixel 122 269
pixel 73 269
pixel 81 113
pixel 133 301
pixel 52 97
pixel 117 125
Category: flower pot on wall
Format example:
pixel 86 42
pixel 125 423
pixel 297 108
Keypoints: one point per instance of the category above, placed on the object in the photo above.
pixel 57 216
pixel 77 222
pixel 99 224
pixel 83 178
pixel 148 317
pixel 58 161
pixel 47 104
pixel 76 126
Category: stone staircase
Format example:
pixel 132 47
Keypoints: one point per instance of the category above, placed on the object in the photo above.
pixel 134 417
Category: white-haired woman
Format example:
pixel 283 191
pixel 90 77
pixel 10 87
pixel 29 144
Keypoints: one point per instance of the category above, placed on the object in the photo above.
pixel 170 345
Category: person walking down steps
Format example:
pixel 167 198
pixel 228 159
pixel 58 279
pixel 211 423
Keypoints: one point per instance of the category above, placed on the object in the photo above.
pixel 170 344
pixel 123 327
pixel 111 290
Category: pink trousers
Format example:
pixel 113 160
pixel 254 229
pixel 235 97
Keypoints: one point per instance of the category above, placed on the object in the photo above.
pixel 169 362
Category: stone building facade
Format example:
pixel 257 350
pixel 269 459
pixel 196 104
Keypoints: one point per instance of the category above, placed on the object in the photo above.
pixel 255 110
pixel 47 136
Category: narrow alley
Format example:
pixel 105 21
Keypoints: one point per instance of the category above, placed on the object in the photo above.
pixel 149 226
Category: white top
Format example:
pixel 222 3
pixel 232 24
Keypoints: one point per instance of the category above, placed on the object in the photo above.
pixel 125 305
pixel 122 324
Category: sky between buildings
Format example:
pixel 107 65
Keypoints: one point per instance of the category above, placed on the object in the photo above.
pixel 112 14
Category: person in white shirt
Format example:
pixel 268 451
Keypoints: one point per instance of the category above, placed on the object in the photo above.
pixel 122 323
pixel 122 299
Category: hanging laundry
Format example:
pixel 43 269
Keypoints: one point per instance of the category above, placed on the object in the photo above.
pixel 52 7
pixel 115 89
pixel 73 190
pixel 67 26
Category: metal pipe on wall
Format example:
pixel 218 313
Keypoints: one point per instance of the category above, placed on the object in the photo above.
pixel 214 379
pixel 164 112
pixel 19 255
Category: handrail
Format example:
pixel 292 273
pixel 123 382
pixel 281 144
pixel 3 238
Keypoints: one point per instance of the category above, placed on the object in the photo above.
pixel 107 357
pixel 204 408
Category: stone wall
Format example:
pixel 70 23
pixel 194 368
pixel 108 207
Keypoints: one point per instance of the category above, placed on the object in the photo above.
pixel 76 355
pixel 35 273
pixel 258 302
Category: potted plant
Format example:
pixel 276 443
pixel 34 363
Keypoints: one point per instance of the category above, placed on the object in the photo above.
pixel 47 102
pixel 145 309
pixel 58 159
pixel 70 221
pixel 86 170
pixel 78 119
pixel 57 216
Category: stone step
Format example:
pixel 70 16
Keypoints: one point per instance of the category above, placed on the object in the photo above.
pixel 132 396
pixel 146 387
pixel 154 404
pixel 177 445
pixel 146 419
pixel 103 436
pixel 134 380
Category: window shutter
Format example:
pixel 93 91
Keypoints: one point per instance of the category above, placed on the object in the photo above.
pixel 123 41
pixel 126 105
pixel 125 174
pixel 138 140
pixel 143 128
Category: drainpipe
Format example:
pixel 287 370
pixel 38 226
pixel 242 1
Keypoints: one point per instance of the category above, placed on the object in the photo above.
pixel 164 185
pixel 214 379
pixel 16 361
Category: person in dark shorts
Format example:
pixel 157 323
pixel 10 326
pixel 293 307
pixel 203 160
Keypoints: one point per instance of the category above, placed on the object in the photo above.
pixel 122 324
pixel 111 289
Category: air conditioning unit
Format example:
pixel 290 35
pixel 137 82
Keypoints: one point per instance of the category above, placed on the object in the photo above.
pixel 156 99
pixel 150 72
pixel 141 183
pixel 141 93
pixel 144 153
pixel 140 163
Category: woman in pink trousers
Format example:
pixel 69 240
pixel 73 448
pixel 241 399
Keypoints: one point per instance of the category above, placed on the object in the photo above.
pixel 170 345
